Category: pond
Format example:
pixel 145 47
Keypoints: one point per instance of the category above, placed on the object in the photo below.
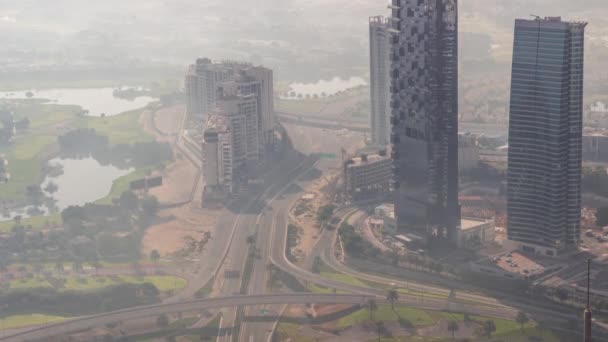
pixel 82 181
pixel 97 101
pixel 322 88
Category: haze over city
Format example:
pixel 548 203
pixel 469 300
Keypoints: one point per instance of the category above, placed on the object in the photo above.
pixel 304 170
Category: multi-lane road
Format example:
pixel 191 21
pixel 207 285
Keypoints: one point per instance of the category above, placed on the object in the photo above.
pixel 83 323
pixel 266 215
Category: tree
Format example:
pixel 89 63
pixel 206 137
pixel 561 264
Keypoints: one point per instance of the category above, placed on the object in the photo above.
pixel 372 306
pixel 599 306
pixel 601 216
pixel 453 327
pixel 562 295
pixel 522 319
pixel 129 201
pixel 29 94
pixel 51 188
pixel 392 296
pixel 155 255
pixel 149 205
pixel 316 265
pixel 542 326
pixel 162 321
pixel 489 327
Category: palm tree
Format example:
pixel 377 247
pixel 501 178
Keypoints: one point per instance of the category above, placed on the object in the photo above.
pixel 541 325
pixel 522 319
pixel 372 306
pixel 599 306
pixel 453 327
pixel 392 296
pixel 489 327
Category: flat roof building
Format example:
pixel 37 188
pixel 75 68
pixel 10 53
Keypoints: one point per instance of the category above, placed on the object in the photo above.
pixel 368 175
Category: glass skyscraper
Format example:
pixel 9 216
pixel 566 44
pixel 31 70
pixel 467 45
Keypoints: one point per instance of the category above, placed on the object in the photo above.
pixel 424 88
pixel 545 135
pixel 380 64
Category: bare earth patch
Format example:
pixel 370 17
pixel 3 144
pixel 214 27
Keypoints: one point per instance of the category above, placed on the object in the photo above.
pixel 170 237
pixel 178 179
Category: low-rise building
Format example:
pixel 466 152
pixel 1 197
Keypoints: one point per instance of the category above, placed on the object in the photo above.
pixel 386 214
pixel 475 233
pixel 368 175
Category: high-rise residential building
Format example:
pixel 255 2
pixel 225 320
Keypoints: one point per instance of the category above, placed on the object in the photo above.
pixel 206 79
pixel 545 135
pixel 201 85
pixel 380 79
pixel 218 157
pixel 424 87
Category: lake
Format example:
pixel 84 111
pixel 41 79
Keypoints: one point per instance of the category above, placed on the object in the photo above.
pixel 95 100
pixel 82 181
pixel 322 87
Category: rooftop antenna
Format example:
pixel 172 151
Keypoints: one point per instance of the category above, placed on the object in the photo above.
pixel 537 17
pixel 588 318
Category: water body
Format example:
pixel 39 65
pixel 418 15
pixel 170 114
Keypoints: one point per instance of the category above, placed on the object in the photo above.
pixel 83 181
pixel 97 101
pixel 322 87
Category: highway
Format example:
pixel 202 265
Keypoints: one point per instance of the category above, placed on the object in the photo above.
pixel 88 322
pixel 267 216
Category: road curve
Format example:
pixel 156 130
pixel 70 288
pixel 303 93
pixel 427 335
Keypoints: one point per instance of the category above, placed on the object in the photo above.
pixel 88 322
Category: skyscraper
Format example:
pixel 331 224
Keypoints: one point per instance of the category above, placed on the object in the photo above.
pixel 424 86
pixel 545 135
pixel 380 79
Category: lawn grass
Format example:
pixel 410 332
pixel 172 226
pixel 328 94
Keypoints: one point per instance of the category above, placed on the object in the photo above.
pixel 291 332
pixel 123 128
pixel 24 149
pixel 33 283
pixel 205 291
pixel 330 273
pixel 385 313
pixel 162 283
pixel 88 283
pixel 23 172
pixel 47 122
pixel 318 289
pixel 19 321
pixel 37 222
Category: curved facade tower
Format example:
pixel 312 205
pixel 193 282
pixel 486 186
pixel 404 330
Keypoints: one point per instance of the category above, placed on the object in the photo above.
pixel 545 135
pixel 424 87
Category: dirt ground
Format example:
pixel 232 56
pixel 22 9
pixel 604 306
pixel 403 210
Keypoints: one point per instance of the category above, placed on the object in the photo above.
pixel 320 140
pixel 163 124
pixel 187 220
pixel 305 213
pixel 182 222
pixel 178 179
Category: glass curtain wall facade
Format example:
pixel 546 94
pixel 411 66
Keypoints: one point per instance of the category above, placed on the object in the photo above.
pixel 545 135
pixel 424 87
